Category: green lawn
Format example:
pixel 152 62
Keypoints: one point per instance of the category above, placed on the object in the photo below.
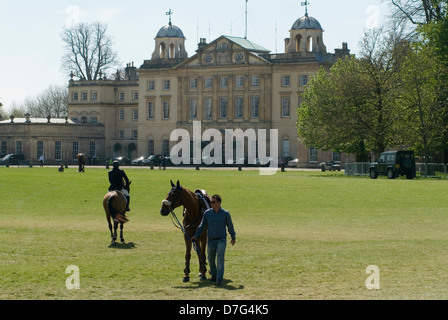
pixel 300 235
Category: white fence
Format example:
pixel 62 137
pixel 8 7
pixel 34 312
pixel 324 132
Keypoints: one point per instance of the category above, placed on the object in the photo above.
pixel 422 169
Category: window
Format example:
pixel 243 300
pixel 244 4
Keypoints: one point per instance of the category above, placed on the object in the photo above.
pixel 254 106
pixel 208 84
pixel 313 154
pixel 84 96
pixel 151 85
pixel 84 119
pixel 193 108
pixel 92 149
pixel 285 81
pixel 150 110
pixel 223 82
pixel 239 81
pixel 94 95
pixel 193 83
pixel 150 147
pixel 75 96
pixel 166 109
pixel 135 114
pixel 120 134
pixel 75 149
pixel 208 108
pixel 239 103
pixel 135 134
pixel 286 107
pixel 255 81
pixel 121 114
pixel 336 156
pixel 121 96
pixel 58 150
pixel 223 107
pixel 285 147
pixel 94 120
pixel 166 84
pixel 135 95
pixel 40 148
pixel 166 147
pixel 303 80
pixel 18 147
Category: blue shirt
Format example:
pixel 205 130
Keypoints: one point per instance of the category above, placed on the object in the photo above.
pixel 216 223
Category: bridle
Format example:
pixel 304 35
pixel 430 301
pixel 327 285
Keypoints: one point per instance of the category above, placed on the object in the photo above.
pixel 175 220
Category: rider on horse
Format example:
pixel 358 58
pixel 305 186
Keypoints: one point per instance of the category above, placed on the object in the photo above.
pixel 116 177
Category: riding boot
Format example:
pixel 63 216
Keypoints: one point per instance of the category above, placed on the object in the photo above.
pixel 128 199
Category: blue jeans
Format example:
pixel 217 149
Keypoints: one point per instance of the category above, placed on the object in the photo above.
pixel 215 252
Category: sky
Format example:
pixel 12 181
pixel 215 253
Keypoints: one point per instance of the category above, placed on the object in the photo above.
pixel 31 46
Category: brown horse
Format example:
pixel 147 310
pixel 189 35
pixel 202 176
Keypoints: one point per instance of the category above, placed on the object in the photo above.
pixel 114 204
pixel 192 217
pixel 81 162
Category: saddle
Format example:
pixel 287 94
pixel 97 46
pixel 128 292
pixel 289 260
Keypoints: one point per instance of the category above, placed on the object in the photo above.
pixel 204 199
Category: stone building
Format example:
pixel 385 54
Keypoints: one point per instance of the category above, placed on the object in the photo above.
pixel 229 83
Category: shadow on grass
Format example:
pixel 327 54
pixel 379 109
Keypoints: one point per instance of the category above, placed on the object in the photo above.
pixel 226 284
pixel 120 245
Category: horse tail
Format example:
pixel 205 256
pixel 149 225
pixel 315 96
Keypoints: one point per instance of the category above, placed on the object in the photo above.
pixel 114 213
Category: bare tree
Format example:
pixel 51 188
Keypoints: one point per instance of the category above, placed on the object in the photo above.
pixel 88 50
pixel 420 11
pixel 51 102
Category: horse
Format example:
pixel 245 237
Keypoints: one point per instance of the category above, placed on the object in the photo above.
pixel 194 208
pixel 81 161
pixel 114 204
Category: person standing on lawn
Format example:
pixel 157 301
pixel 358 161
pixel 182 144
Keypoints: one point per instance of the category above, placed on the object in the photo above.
pixel 216 220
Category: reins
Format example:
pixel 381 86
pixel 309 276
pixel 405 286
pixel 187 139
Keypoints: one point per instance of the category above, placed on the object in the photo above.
pixel 179 225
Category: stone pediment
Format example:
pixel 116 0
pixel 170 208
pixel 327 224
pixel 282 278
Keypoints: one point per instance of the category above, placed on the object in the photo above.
pixel 226 51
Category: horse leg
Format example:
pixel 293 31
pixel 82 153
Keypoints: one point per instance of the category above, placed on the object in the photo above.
pixel 202 260
pixel 121 232
pixel 187 260
pixel 114 237
pixel 111 232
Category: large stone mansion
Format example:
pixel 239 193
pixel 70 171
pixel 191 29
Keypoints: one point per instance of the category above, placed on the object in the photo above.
pixel 229 83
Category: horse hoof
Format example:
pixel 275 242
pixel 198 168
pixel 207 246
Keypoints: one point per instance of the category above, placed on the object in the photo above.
pixel 186 279
pixel 122 240
pixel 202 277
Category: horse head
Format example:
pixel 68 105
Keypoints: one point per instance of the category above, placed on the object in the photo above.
pixel 172 200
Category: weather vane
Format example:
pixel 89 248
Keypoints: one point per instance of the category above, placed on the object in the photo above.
pixel 306 3
pixel 170 13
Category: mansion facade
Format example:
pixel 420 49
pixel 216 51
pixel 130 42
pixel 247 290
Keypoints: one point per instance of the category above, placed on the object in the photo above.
pixel 229 83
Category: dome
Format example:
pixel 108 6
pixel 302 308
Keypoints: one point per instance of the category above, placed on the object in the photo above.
pixel 306 22
pixel 170 31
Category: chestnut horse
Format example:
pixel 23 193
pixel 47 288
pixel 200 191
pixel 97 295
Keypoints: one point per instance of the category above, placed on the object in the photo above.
pixel 114 204
pixel 194 208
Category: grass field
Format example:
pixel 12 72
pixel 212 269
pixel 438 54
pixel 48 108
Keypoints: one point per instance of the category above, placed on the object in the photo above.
pixel 300 235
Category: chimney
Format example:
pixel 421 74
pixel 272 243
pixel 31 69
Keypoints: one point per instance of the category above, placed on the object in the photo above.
pixel 202 43
pixel 131 71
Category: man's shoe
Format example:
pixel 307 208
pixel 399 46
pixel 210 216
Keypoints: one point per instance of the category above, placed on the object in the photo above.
pixel 213 279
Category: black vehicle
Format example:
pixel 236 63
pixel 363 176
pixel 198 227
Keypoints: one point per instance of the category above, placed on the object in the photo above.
pixel 12 159
pixel 330 165
pixel 394 164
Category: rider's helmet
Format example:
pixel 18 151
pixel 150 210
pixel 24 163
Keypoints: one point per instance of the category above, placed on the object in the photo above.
pixel 116 164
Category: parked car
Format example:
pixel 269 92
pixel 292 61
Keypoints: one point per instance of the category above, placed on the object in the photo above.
pixel 122 160
pixel 293 163
pixel 394 164
pixel 330 166
pixel 12 159
pixel 153 160
pixel 138 161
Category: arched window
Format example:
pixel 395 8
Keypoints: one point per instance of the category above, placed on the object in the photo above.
pixel 309 44
pixel 298 42
pixel 162 50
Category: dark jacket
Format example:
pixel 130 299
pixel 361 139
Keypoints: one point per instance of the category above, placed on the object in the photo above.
pixel 116 177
